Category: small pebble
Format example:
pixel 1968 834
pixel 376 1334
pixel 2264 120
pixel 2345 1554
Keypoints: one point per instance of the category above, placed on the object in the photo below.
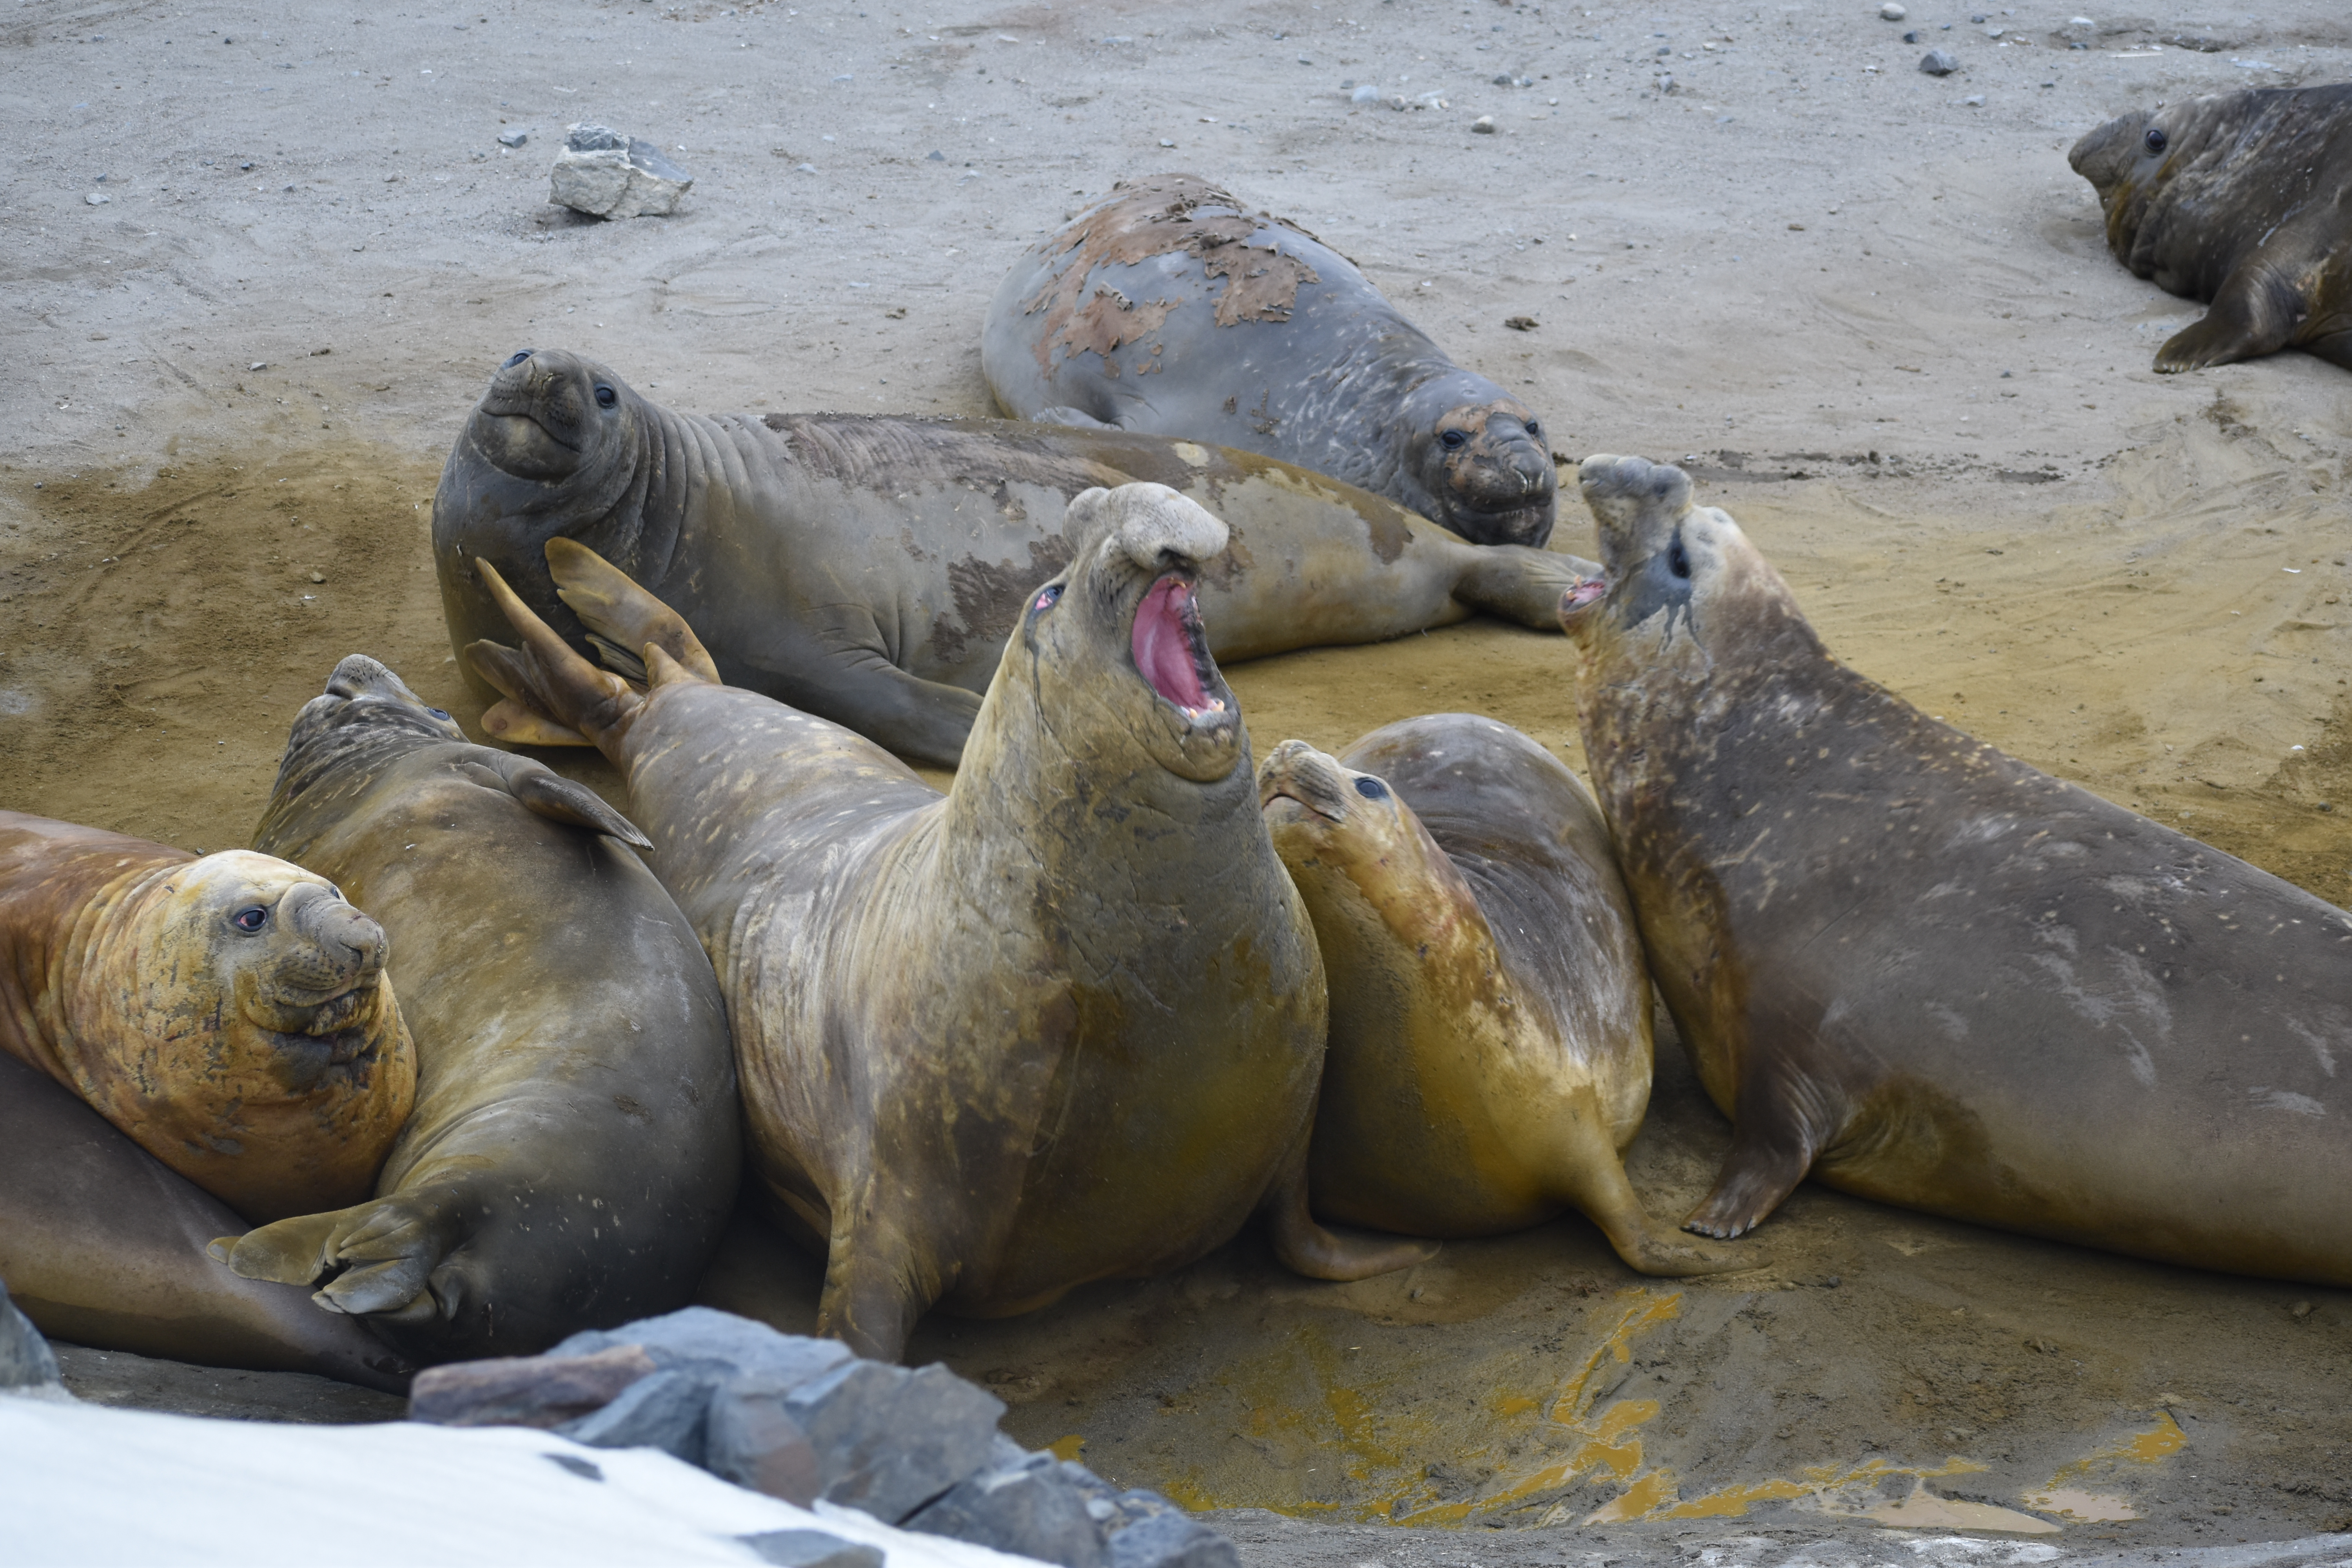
pixel 318 577
pixel 804 168
pixel 258 364
pixel 1892 12
pixel 1367 93
pixel 1911 37
pixel 2078 22
pixel 1665 84
pixel 1502 80
pixel 513 137
pixel 1938 62
pixel 97 198
pixel 1974 101
pixel 935 157
pixel 1483 126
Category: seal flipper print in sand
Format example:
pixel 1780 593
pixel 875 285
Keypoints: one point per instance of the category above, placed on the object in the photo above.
pixel 2243 199
pixel 1928 974
pixel 1173 310
pixel 574 1151
pixel 1064 1023
pixel 868 570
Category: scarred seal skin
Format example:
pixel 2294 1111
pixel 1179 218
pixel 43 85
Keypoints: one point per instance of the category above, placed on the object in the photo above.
pixel 1065 1022
pixel 100 1244
pixel 229 1013
pixel 1490 1045
pixel 1929 974
pixel 2242 199
pixel 574 1150
pixel 1173 310
pixel 868 570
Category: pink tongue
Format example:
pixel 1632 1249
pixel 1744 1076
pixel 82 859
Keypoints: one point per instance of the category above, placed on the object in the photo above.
pixel 1162 652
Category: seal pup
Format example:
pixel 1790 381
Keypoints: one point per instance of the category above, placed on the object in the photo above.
pixel 1490 1043
pixel 229 1013
pixel 1171 309
pixel 574 1151
pixel 1929 974
pixel 1061 1023
pixel 870 570
pixel 101 1245
pixel 2243 199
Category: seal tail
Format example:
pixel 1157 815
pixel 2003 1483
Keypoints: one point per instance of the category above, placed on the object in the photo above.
pixel 549 689
pixel 621 615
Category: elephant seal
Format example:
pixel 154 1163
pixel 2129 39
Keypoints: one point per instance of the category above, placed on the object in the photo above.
pixel 868 570
pixel 1929 974
pixel 229 1013
pixel 574 1151
pixel 2243 199
pixel 1169 309
pixel 1490 1012
pixel 101 1245
pixel 1062 1023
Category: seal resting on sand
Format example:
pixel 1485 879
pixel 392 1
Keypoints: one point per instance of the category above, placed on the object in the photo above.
pixel 1062 1023
pixel 1490 1012
pixel 102 1245
pixel 868 570
pixel 1929 974
pixel 574 1150
pixel 229 1013
pixel 1171 309
pixel 2244 199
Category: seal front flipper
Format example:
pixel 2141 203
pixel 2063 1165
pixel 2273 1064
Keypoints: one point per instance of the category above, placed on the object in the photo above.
pixel 1582 1149
pixel 380 1253
pixel 1306 1247
pixel 1772 1148
pixel 546 792
pixel 2254 313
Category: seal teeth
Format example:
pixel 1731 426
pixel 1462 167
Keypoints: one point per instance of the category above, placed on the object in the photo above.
pixel 1165 628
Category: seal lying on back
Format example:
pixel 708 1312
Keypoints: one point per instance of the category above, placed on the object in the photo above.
pixel 229 1013
pixel 1490 1013
pixel 2244 199
pixel 1929 974
pixel 1171 309
pixel 101 1245
pixel 1065 1022
pixel 573 1154
pixel 868 570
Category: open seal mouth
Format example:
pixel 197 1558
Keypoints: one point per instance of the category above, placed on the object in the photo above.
pixel 1171 649
pixel 1585 591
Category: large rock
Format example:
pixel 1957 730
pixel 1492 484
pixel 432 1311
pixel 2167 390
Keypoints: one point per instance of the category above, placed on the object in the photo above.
pixel 544 1391
pixel 888 1440
pixel 717 1346
pixel 812 1549
pixel 750 1440
pixel 600 172
pixel 25 1360
pixel 1031 1508
pixel 665 1411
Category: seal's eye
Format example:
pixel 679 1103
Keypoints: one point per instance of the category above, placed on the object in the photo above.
pixel 1046 597
pixel 1535 428
pixel 251 918
pixel 1371 789
pixel 2153 140
pixel 606 395
pixel 1678 558
pixel 515 359
pixel 438 712
pixel 1451 441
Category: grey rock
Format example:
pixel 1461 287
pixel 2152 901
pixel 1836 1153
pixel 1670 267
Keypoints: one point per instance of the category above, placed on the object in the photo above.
pixel 888 1440
pixel 812 1549
pixel 1891 12
pixel 935 157
pixel 1938 62
pixel 544 1391
pixel 665 1411
pixel 1171 1540
pixel 1483 126
pixel 752 1439
pixel 513 137
pixel 605 174
pixel 1031 1509
pixel 1974 101
pixel 1367 93
pixel 715 1346
pixel 25 1360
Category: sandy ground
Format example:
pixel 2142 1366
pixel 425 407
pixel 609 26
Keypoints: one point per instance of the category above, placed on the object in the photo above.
pixel 1873 315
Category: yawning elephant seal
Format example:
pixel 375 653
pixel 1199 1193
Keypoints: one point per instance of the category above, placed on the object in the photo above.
pixel 1171 309
pixel 102 1245
pixel 1065 1022
pixel 230 1013
pixel 573 1153
pixel 2244 199
pixel 1490 1012
pixel 1928 972
pixel 868 570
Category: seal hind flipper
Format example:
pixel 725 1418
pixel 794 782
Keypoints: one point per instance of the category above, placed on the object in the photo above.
pixel 1307 1247
pixel 379 1253
pixel 618 659
pixel 545 675
pixel 2254 313
pixel 517 725
pixel 614 609
pixel 1519 583
pixel 1599 1190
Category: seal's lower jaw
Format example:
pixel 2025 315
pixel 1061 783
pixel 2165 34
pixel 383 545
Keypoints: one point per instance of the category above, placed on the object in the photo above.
pixel 516 442
pixel 1529 525
pixel 1195 710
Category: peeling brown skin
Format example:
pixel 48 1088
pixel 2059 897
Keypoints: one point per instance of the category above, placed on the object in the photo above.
pixel 2242 199
pixel 1170 308
pixel 104 1245
pixel 574 1151
pixel 868 570
pixel 269 1066
pixel 1933 976
pixel 1490 1011
pixel 1062 1023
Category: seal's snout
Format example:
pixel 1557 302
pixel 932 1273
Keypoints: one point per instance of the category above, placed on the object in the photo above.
pixel 1633 499
pixel 1295 771
pixel 349 947
pixel 1159 528
pixel 359 676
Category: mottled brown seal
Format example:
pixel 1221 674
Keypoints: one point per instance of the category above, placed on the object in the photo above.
pixel 2244 199
pixel 1490 1012
pixel 1929 974
pixel 574 1150
pixel 230 1013
pixel 868 570
pixel 1065 1022
pixel 1171 309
